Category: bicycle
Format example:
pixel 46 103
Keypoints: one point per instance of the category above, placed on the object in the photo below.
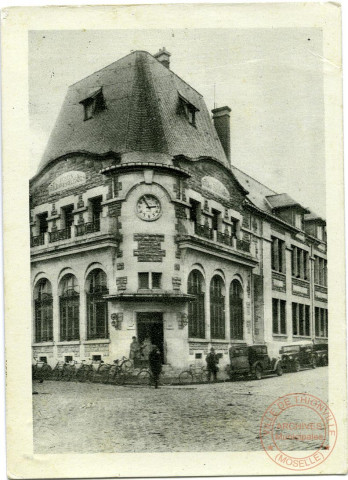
pixel 57 373
pixel 125 364
pixel 145 377
pixel 41 371
pixel 197 374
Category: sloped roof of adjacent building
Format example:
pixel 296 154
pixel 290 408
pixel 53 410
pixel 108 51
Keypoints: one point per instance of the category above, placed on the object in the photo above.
pixel 142 100
pixel 283 200
pixel 257 191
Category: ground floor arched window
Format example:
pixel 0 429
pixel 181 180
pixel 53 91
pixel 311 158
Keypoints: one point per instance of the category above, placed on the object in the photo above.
pixel 43 311
pixel 196 312
pixel 217 308
pixel 69 308
pixel 236 310
pixel 97 306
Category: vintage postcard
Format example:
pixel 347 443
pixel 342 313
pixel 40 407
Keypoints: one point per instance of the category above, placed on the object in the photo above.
pixel 174 240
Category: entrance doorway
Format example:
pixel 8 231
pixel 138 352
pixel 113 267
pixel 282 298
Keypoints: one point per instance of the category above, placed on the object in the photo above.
pixel 150 325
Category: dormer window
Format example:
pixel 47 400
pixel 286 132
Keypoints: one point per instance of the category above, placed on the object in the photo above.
pixel 188 109
pixel 93 104
pixel 299 221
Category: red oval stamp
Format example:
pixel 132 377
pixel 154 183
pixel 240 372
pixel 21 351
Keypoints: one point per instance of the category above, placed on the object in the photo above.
pixel 298 431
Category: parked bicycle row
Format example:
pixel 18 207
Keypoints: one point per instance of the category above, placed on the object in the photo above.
pixel 245 362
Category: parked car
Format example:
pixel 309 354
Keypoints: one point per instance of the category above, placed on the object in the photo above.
pixel 322 353
pixel 252 361
pixel 296 356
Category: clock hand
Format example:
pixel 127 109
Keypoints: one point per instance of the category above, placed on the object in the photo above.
pixel 148 206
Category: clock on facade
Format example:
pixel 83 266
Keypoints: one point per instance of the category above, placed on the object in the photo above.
pixel 148 207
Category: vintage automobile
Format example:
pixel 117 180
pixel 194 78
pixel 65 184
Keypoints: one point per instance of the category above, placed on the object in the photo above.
pixel 252 361
pixel 296 356
pixel 322 353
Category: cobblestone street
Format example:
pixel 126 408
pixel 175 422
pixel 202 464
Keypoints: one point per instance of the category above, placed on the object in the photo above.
pixel 91 418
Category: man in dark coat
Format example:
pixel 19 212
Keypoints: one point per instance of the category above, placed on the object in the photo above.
pixel 155 363
pixel 212 361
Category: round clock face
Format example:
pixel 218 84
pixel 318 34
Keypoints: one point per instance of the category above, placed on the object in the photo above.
pixel 148 207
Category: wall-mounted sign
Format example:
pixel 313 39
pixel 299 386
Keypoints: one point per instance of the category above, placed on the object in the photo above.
pixel 215 186
pixel 67 180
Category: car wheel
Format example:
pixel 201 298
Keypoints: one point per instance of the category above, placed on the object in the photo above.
pixel 258 372
pixel 325 361
pixel 297 366
pixel 279 370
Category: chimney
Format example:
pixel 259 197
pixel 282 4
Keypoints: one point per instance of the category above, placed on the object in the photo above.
pixel 163 56
pixel 221 119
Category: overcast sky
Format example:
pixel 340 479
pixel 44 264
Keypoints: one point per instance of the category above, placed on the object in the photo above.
pixel 272 79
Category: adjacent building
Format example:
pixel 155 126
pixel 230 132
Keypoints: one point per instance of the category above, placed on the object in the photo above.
pixel 141 226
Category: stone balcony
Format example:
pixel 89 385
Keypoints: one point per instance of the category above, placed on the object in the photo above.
pixel 85 233
pixel 204 237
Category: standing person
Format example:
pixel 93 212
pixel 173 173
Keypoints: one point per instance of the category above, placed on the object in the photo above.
pixel 155 363
pixel 146 349
pixel 212 360
pixel 134 351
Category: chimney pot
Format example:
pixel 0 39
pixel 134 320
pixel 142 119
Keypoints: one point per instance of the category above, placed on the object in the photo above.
pixel 221 119
pixel 163 56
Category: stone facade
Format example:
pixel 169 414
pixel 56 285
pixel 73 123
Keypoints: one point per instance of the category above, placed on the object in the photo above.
pixel 200 274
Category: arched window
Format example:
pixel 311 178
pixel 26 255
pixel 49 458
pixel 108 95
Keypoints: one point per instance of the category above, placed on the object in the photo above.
pixel 69 307
pixel 196 313
pixel 236 310
pixel 43 311
pixel 217 307
pixel 97 307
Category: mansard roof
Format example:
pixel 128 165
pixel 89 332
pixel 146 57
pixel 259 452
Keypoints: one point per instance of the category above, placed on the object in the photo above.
pixel 141 112
pixel 283 200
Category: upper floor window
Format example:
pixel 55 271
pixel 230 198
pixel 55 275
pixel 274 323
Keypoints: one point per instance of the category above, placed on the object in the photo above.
pixel 320 271
pixel 234 227
pixel 195 211
pixel 278 255
pixel 96 210
pixel 68 216
pixel 149 280
pixel 42 223
pixel 299 221
pixel 321 232
pixel 93 104
pixel 216 220
pixel 188 109
pixel 300 263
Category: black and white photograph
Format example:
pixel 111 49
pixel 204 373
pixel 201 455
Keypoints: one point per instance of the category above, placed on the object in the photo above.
pixel 177 197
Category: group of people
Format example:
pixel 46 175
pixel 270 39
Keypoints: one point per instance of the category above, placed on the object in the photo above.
pixel 151 354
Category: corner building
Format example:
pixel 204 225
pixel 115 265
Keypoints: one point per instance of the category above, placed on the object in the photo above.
pixel 141 226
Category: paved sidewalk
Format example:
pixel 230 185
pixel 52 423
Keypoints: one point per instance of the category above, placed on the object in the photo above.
pixel 90 418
